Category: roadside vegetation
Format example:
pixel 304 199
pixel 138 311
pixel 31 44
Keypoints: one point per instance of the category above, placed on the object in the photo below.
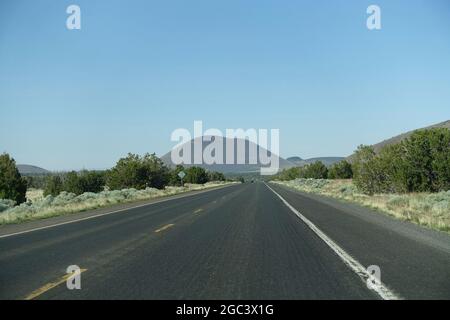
pixel 409 180
pixel 133 178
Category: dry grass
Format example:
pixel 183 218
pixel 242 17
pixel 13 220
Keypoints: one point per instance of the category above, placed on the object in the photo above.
pixel 40 207
pixel 427 209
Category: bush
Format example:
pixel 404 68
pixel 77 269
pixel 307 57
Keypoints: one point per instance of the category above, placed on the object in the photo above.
pixel 420 163
pixel 53 186
pixel 196 175
pixel 138 172
pixel 215 176
pixel 174 179
pixel 316 170
pixel 340 170
pixel 85 181
pixel 12 185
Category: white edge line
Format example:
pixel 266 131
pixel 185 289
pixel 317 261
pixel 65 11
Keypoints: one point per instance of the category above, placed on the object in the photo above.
pixel 106 213
pixel 381 289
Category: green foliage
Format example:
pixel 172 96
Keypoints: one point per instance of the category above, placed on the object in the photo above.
pixel 53 186
pixel 316 170
pixel 215 176
pixel 420 163
pixel 289 174
pixel 174 179
pixel 196 175
pixel 12 185
pixel 85 181
pixel 138 172
pixel 340 170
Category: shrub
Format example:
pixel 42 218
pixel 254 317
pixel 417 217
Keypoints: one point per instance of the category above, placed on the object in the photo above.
pixel 12 185
pixel 340 170
pixel 215 176
pixel 53 186
pixel 316 170
pixel 421 163
pixel 138 172
pixel 196 175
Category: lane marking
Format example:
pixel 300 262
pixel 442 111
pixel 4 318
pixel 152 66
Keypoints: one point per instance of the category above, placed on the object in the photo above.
pixel 167 226
pixel 198 210
pixel 110 212
pixel 381 289
pixel 36 293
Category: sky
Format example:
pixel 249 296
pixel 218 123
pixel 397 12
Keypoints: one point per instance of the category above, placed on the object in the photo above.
pixel 138 70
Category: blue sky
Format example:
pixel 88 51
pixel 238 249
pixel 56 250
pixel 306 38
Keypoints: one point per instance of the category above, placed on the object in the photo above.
pixel 137 70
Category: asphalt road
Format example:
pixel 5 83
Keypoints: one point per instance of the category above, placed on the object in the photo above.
pixel 238 242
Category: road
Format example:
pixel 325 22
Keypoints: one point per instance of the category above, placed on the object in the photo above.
pixel 239 242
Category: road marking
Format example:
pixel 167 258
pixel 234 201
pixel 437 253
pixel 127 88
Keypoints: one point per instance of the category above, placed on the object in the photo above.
pixel 111 212
pixel 167 226
pixel 198 210
pixel 51 285
pixel 381 289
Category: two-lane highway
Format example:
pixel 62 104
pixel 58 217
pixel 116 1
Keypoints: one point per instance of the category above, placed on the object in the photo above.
pixel 238 242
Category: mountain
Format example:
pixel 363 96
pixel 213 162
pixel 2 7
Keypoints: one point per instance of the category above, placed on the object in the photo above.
pixel 246 167
pixel 26 169
pixel 328 161
pixel 396 139
pixel 296 160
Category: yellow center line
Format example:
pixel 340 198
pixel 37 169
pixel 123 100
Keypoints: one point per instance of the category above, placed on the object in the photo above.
pixel 51 285
pixel 165 227
pixel 198 210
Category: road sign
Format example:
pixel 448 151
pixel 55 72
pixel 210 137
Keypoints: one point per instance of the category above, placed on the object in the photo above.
pixel 181 174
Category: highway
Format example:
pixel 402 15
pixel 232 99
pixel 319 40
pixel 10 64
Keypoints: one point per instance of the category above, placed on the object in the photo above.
pixel 246 241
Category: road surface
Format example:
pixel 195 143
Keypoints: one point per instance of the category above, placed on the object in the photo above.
pixel 245 241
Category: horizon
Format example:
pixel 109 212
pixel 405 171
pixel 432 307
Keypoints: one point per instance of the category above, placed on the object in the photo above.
pixel 73 99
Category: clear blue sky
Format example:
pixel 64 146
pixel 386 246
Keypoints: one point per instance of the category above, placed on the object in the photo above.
pixel 137 70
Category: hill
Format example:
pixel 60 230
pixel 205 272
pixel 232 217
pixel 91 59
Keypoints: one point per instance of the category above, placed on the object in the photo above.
pixel 26 169
pixel 396 139
pixel 328 161
pixel 378 146
pixel 246 167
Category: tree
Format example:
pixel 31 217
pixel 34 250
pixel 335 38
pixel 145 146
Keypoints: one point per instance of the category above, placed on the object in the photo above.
pixel 72 183
pixel 215 176
pixel 53 186
pixel 316 170
pixel 12 185
pixel 92 181
pixel 196 175
pixel 138 172
pixel 420 163
pixel 427 156
pixel 85 181
pixel 364 172
pixel 340 170
pixel 289 174
pixel 174 179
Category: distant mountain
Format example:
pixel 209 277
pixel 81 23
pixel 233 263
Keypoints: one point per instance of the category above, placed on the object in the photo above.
pixel 26 169
pixel 328 161
pixel 394 140
pixel 296 160
pixel 247 167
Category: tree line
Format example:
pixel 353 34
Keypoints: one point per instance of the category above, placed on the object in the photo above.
pixel 132 171
pixel 419 163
